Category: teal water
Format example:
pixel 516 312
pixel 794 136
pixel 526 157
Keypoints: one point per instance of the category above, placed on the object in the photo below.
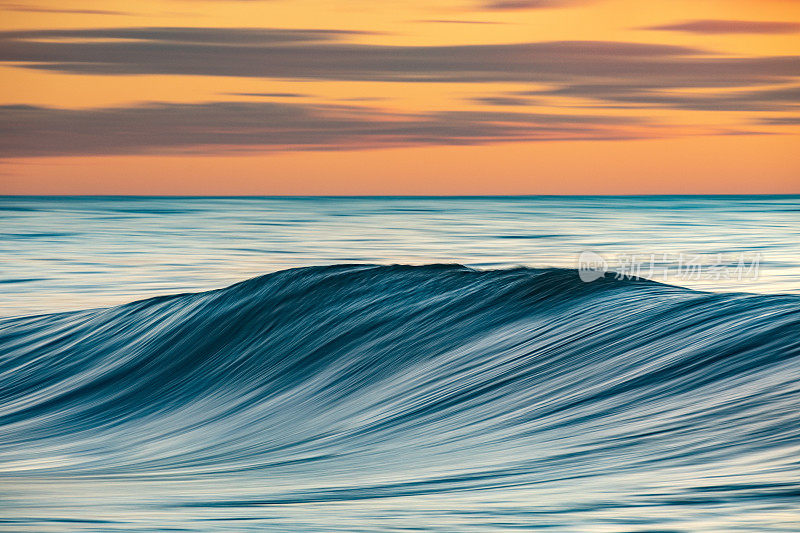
pixel 392 398
pixel 72 253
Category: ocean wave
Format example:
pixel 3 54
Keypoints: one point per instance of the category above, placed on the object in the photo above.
pixel 354 382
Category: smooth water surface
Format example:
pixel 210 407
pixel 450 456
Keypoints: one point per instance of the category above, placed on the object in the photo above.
pixel 67 253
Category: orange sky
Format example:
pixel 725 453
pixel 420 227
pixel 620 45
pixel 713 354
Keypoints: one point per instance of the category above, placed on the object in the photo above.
pixel 416 97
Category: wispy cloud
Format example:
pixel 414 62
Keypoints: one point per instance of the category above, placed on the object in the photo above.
pixel 618 73
pixel 503 101
pixel 166 35
pixel 211 127
pixel 512 5
pixel 451 21
pixel 36 9
pixel 730 26
pixel 773 99
pixel 321 55
pixel 271 95
pixel 779 121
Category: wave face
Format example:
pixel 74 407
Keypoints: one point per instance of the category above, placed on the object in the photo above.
pixel 382 398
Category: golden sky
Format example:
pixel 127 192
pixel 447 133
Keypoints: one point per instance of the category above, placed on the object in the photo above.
pixel 415 97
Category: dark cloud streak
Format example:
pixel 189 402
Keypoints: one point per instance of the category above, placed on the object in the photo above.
pixel 516 5
pixel 450 21
pixel 34 9
pixel 164 35
pixel 28 131
pixel 619 73
pixel 779 121
pixel 784 98
pixel 271 95
pixel 503 101
pixel 714 27
pixel 320 55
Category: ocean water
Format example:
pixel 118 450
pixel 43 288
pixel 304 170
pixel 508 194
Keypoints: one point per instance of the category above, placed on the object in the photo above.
pixel 62 253
pixel 400 364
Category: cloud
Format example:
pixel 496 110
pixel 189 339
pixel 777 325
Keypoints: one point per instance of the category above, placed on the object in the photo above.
pixel 779 121
pixel 730 26
pixel 503 101
pixel 321 55
pixel 34 9
pixel 451 21
pixel 271 95
pixel 618 73
pixel 212 127
pixel 774 99
pixel 166 36
pixel 510 5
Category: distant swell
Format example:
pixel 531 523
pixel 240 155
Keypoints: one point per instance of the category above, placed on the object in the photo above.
pixel 361 382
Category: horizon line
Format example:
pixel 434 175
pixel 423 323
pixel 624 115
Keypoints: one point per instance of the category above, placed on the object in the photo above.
pixel 374 196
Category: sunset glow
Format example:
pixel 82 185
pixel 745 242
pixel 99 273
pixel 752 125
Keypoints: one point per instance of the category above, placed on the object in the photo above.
pixel 305 97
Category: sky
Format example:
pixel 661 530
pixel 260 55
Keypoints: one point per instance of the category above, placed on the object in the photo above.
pixel 421 97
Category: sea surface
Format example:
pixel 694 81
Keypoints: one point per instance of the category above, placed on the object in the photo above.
pixel 400 364
pixel 70 253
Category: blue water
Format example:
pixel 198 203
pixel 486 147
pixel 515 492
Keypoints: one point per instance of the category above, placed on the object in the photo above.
pixel 358 397
pixel 61 254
